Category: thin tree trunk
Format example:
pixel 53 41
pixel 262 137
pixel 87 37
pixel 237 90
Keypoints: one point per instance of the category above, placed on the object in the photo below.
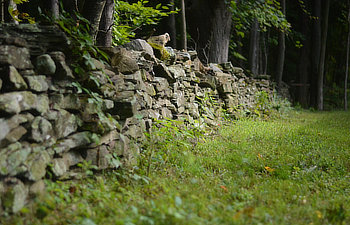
pixel 92 11
pixel 254 48
pixel 304 62
pixel 104 36
pixel 183 26
pixel 281 51
pixel 322 56
pixel 316 51
pixel 347 65
pixel 172 25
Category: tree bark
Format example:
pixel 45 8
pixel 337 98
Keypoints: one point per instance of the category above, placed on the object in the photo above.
pixel 316 51
pixel 92 11
pixel 54 8
pixel 281 51
pixel 183 27
pixel 254 48
pixel 209 25
pixel 304 62
pixel 322 56
pixel 172 25
pixel 347 65
pixel 104 36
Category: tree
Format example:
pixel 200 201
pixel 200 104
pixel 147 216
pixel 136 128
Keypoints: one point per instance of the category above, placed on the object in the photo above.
pixel 92 11
pixel 183 26
pixel 322 56
pixel 281 51
pixel 254 48
pixel 316 51
pixel 347 64
pixel 209 25
pixel 104 36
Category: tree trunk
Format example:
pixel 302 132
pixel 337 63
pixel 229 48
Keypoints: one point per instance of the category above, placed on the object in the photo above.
pixel 92 11
pixel 104 36
pixel 304 63
pixel 281 51
pixel 347 65
pixel 316 51
pixel 183 27
pixel 254 48
pixel 172 25
pixel 210 28
pixel 54 8
pixel 322 56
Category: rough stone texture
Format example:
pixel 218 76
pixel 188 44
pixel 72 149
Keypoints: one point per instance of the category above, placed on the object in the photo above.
pixel 15 56
pixel 37 83
pixel 45 65
pixel 45 120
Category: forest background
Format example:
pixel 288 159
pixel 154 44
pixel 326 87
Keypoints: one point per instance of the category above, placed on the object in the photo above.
pixel 303 45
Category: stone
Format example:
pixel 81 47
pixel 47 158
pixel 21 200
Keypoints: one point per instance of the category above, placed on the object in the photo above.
pixel 16 102
pixel 37 188
pixel 13 79
pixel 177 71
pixel 16 134
pixel 139 45
pixel 161 84
pixel 96 65
pixel 1 84
pixel 12 157
pixel 18 57
pixel 41 129
pixel 68 102
pixel 166 113
pixel 15 195
pixel 161 70
pixel 62 69
pixel 65 123
pixel 123 62
pixel 72 158
pixel 37 164
pixel 73 141
pixel 45 65
pixel 37 83
pixel 59 167
pixel 17 41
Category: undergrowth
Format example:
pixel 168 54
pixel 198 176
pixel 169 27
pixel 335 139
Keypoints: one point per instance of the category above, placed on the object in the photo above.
pixel 293 170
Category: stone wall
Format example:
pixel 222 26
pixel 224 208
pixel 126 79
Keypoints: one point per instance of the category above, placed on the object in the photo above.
pixel 48 125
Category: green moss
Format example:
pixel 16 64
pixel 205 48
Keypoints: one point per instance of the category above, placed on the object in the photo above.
pixel 160 51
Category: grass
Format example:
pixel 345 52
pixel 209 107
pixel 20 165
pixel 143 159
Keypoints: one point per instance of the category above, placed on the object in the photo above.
pixel 292 170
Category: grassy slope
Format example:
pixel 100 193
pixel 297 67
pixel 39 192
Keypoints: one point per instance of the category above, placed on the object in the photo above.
pixel 294 170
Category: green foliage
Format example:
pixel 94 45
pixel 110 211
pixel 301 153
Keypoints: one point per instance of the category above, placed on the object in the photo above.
pixel 130 17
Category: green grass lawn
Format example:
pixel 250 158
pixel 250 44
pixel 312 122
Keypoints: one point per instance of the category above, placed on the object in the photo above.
pixel 291 170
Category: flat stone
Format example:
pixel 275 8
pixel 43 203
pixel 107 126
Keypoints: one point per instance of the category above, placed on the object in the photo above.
pixel 37 188
pixel 59 167
pixel 45 65
pixel 65 124
pixel 19 57
pixel 177 71
pixel 37 83
pixel 72 158
pixel 74 141
pixel 139 45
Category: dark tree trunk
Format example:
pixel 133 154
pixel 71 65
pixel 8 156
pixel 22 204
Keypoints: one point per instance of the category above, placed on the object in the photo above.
pixel 183 26
pixel 54 8
pixel 347 65
pixel 316 51
pixel 172 26
pixel 254 48
pixel 104 36
pixel 70 6
pixel 281 51
pixel 92 11
pixel 304 63
pixel 322 56
pixel 210 28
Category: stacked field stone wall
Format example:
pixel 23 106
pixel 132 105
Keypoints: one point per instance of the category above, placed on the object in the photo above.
pixel 49 126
